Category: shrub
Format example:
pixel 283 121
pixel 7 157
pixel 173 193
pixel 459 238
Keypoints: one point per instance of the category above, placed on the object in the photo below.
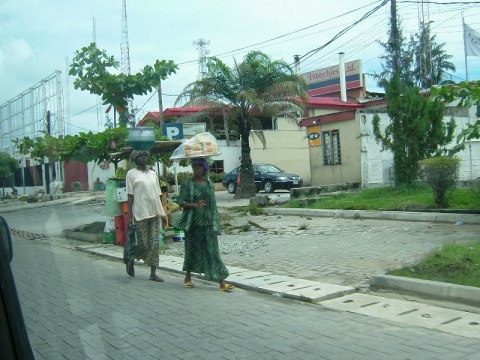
pixel 475 188
pixel 441 174
pixel 216 178
pixel 181 176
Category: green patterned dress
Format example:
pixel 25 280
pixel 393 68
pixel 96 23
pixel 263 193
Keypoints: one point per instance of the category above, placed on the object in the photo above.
pixel 202 254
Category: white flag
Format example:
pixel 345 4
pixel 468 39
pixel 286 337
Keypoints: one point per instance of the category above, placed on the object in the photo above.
pixel 472 41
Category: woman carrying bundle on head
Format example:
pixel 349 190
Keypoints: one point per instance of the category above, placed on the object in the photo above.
pixel 200 222
pixel 146 210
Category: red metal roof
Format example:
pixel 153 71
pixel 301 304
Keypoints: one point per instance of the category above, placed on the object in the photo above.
pixel 332 103
pixel 182 111
pixel 169 112
pixel 312 103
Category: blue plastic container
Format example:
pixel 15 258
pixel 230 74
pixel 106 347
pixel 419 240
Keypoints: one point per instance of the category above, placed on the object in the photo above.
pixel 178 236
pixel 141 138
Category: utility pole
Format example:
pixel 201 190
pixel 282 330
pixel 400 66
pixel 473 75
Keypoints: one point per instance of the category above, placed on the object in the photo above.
pixel 296 60
pixel 160 105
pixel 394 33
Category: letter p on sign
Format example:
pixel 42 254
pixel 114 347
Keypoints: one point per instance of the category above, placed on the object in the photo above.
pixel 173 131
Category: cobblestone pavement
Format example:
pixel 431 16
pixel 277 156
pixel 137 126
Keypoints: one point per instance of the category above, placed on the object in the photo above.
pixel 336 251
pixel 331 250
pixel 78 306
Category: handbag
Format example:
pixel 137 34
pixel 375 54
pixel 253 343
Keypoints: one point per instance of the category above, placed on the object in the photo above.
pixel 130 247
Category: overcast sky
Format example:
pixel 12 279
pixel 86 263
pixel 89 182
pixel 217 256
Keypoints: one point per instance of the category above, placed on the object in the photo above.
pixel 38 37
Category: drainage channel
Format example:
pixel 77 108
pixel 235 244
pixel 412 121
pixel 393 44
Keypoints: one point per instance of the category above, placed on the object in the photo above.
pixel 455 322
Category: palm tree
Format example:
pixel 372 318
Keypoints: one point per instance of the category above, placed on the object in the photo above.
pixel 255 87
pixel 431 62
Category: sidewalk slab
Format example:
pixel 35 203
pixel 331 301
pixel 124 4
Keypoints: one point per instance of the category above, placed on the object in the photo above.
pixel 245 275
pixel 262 282
pixel 171 263
pixel 236 270
pixel 319 292
pixel 412 313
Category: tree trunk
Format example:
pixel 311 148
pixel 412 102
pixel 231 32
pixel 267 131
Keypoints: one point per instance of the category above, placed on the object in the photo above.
pixel 247 183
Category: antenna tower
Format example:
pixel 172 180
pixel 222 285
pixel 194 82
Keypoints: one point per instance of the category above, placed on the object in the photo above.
pixel 125 51
pixel 124 47
pixel 201 45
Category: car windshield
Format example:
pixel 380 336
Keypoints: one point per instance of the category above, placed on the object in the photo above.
pixel 268 168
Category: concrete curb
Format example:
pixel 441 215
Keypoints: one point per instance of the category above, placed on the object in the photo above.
pixel 19 206
pixel 468 295
pixel 77 235
pixel 381 215
pixel 264 282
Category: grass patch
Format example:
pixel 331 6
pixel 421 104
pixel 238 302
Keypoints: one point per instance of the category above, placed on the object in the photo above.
pixel 388 198
pixel 453 263
pixel 255 210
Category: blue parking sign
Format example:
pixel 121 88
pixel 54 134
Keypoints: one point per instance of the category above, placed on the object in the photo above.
pixel 174 131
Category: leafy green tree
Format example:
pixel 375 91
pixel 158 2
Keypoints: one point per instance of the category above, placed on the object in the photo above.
pixel 8 166
pixel 467 95
pixel 416 130
pixel 91 68
pixel 421 61
pixel 86 147
pixel 404 61
pixel 258 86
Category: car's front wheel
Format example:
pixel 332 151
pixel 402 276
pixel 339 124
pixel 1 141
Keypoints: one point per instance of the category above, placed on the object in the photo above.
pixel 231 187
pixel 268 186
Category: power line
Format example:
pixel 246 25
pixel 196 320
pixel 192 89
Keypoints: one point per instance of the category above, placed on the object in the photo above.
pixel 352 46
pixel 443 3
pixel 314 51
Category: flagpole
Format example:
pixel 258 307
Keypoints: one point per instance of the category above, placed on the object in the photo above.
pixel 465 48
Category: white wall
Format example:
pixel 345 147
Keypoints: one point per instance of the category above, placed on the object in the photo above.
pixel 376 164
pixel 94 171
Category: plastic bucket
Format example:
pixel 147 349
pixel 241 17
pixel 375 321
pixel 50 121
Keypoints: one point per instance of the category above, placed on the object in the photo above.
pixel 120 233
pixel 179 235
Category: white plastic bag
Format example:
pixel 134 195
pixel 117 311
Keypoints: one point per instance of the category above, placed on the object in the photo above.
pixel 200 145
pixel 109 232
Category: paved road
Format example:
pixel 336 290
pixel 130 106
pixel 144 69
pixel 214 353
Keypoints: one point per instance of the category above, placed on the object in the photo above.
pixel 330 250
pixel 50 218
pixel 79 306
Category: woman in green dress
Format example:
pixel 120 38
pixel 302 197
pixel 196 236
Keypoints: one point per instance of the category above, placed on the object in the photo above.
pixel 201 223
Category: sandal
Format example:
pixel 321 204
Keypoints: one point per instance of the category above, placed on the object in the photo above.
pixel 156 278
pixel 227 287
pixel 188 285
pixel 130 268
